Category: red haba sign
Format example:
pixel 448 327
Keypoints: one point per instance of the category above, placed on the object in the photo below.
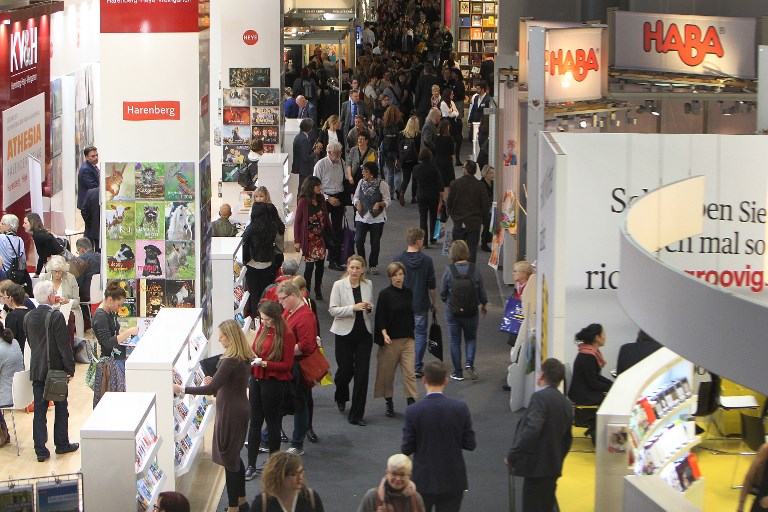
pixel 690 45
pixel 250 37
pixel 151 110
pixel 579 63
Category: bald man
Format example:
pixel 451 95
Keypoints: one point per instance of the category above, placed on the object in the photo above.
pixel 222 226
pixel 306 109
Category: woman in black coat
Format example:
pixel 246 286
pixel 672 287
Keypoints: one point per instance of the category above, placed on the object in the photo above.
pixel 331 131
pixel 46 244
pixel 588 386
pixel 444 152
pixel 258 252
pixel 429 189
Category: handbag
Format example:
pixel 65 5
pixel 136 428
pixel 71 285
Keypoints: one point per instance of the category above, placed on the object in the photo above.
pixel 329 239
pixel 347 241
pixel 57 381
pixel 442 211
pixel 513 316
pixel 439 230
pixel 313 368
pixel 435 343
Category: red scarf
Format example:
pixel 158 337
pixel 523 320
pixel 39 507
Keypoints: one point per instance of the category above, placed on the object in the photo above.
pixel 586 348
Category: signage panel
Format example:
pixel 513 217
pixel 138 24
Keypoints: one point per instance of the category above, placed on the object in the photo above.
pixel 574 65
pixel 151 110
pixel 149 16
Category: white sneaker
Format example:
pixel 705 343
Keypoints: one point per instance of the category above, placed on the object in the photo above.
pixel 295 451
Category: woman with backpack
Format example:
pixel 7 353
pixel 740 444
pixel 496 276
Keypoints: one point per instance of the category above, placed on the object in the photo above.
pixel 462 291
pixel 408 156
pixel 259 252
pixel 12 253
pixel 391 125
pixel 46 244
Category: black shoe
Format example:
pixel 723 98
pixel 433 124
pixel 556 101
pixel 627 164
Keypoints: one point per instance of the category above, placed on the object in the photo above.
pixel 249 473
pixel 459 163
pixel 413 200
pixel 336 267
pixel 283 437
pixel 43 458
pixel 401 197
pixel 318 295
pixel 410 400
pixel 359 423
pixel 485 248
pixel 312 436
pixel 419 374
pixel 390 409
pixel 506 387
pixel 67 448
pixel 341 406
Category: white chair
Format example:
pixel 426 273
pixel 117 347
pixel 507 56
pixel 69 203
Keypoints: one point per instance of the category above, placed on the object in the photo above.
pixel 21 391
pixel 96 294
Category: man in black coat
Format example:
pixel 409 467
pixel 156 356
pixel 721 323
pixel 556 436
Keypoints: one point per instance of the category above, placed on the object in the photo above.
pixel 423 91
pixel 468 205
pixel 90 262
pixel 91 212
pixel 632 353
pixel 543 440
pixel 436 431
pixel 56 346
pixel 304 152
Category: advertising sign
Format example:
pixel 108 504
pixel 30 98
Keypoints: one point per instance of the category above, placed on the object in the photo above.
pixel 23 134
pixel 574 64
pixel 700 45
pixel 149 16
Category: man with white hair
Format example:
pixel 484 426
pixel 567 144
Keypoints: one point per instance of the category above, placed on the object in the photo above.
pixel 429 131
pixel 330 170
pixel 48 340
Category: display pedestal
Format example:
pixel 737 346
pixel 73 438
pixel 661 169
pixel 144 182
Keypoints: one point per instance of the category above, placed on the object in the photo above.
pixel 275 174
pixel 224 252
pixel 169 351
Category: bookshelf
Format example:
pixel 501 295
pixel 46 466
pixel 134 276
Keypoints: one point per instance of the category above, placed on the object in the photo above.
pixel 477 37
pixel 119 444
pixel 171 351
pixel 645 428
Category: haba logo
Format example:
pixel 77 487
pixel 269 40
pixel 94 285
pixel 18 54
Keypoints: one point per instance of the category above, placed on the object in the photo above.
pixel 23 49
pixel 577 62
pixel 690 45
pixel 250 37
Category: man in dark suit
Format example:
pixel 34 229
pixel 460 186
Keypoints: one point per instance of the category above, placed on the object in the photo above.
pixel 480 100
pixel 423 91
pixel 436 431
pixel 91 212
pixel 632 353
pixel 469 206
pixel 351 108
pixel 306 109
pixel 56 346
pixel 305 152
pixel 543 440
pixel 87 175
pixel 90 263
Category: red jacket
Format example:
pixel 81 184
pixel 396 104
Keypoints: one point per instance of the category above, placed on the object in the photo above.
pixel 303 325
pixel 280 370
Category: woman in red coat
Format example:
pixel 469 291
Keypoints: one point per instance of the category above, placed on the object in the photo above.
pixel 312 221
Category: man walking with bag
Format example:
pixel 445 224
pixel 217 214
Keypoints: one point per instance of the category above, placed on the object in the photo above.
pixel 48 339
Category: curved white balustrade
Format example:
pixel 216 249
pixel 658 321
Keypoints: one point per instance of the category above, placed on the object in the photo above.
pixel 722 331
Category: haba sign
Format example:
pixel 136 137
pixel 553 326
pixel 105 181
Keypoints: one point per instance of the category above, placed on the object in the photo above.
pixel 574 66
pixel 23 134
pixel 697 45
pixel 149 16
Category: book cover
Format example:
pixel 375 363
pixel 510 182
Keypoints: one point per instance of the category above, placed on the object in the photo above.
pixel 58 497
pixel 693 462
pixel 477 20
pixel 180 259
pixel 121 259
pixel 151 293
pixel 179 293
pixel 150 220
pixel 149 180
pixel 179 220
pixel 119 182
pixel 150 258
pixel 684 473
pixel 180 181
pixel 17 499
pixel 463 21
pixel 120 220
pixel 128 309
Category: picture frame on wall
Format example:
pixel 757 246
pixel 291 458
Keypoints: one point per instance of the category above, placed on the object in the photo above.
pixel 477 8
pixel 489 8
pixel 476 34
pixel 463 33
pixel 464 46
pixel 464 60
pixel 477 20
pixel 463 7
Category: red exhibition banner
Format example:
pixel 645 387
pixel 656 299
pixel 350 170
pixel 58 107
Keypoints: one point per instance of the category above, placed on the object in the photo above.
pixel 149 16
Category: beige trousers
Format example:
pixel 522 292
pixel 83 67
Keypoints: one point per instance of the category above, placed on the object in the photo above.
pixel 401 351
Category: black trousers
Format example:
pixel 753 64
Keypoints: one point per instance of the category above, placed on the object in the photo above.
pixel 353 355
pixel 428 211
pixel 40 422
pixel 539 494
pixel 337 217
pixel 266 398
pixel 407 172
pixel 445 502
pixel 471 236
pixel 235 484
pixel 256 279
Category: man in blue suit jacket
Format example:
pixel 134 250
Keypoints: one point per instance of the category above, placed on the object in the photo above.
pixel 543 440
pixel 304 152
pixel 87 175
pixel 436 431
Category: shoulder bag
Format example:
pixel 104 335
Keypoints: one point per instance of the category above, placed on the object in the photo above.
pixel 57 381
pixel 435 344
pixel 18 270
pixel 313 368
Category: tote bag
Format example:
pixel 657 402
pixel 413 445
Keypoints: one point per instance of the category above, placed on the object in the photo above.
pixel 513 316
pixel 435 343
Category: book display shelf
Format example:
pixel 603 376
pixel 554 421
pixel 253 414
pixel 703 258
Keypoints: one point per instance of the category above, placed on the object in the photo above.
pixel 645 427
pixel 170 352
pixel 229 297
pixel 477 36
pixel 120 446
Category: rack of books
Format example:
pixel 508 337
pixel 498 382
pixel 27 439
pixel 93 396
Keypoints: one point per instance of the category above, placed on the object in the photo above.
pixel 229 296
pixel 477 37
pixel 645 427
pixel 120 445
pixel 170 352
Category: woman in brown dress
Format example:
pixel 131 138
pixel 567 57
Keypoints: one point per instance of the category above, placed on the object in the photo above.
pixel 229 385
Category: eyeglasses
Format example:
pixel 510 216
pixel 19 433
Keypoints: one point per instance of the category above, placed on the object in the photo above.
pixel 399 474
pixel 281 299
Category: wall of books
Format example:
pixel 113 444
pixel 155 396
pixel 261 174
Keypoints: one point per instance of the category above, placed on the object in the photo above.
pixel 477 37
pixel 149 225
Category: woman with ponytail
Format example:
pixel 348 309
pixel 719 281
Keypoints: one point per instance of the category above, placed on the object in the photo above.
pixel 588 386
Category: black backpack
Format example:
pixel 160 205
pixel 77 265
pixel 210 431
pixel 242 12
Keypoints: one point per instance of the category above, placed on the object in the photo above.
pixel 389 144
pixel 407 150
pixel 18 269
pixel 464 298
pixel 246 176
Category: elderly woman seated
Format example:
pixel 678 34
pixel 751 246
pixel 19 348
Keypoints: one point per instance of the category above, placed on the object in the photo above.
pixel 65 287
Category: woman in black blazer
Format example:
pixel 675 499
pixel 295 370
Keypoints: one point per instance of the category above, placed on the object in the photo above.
pixel 46 244
pixel 428 181
pixel 331 131
pixel 588 386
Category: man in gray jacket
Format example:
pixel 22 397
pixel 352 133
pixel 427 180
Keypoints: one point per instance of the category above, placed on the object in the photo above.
pixel 54 344
pixel 429 131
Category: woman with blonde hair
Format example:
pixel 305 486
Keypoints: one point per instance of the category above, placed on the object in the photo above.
pixel 391 126
pixel 331 131
pixel 228 384
pixel 408 145
pixel 271 375
pixel 351 306
pixel 396 490
pixel 65 287
pixel 283 487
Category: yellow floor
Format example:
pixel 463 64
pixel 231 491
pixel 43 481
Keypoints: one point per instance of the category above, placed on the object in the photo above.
pixel 576 488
